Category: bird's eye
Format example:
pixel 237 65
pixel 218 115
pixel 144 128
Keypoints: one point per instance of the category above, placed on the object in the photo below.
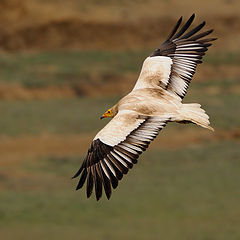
pixel 108 111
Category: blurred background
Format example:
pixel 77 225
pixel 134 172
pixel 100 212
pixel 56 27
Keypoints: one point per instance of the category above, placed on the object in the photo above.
pixel 62 64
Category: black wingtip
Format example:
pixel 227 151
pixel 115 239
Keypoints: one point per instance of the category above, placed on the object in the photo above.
pixel 77 173
pixel 214 39
pixel 82 179
pixel 175 29
pixel 180 20
pixel 184 27
pixel 90 183
pixel 203 24
pixel 98 198
pixel 98 193
pixel 89 195
pixel 194 31
pixel 208 32
pixel 199 36
pixel 190 20
pixel 78 187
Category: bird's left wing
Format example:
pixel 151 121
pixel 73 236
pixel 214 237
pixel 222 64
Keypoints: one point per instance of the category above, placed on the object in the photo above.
pixel 115 149
pixel 174 63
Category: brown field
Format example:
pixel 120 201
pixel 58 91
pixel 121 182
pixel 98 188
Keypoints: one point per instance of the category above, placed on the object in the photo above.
pixel 33 24
pixel 117 85
pixel 17 148
pixel 63 63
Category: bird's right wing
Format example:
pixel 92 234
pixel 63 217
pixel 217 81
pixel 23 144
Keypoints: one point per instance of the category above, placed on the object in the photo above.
pixel 115 149
pixel 174 63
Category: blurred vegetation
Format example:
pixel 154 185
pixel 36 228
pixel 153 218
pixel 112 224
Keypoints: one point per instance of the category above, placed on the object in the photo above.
pixel 62 64
pixel 195 189
pixel 81 115
pixel 54 68
pixel 71 67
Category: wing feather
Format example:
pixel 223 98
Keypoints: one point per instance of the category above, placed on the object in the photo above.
pixel 175 28
pixel 90 181
pixel 105 165
pixel 106 182
pixel 116 148
pixel 184 27
pixel 173 64
pixel 98 181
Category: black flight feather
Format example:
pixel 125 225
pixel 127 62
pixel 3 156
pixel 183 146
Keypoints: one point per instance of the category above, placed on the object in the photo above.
pixel 184 27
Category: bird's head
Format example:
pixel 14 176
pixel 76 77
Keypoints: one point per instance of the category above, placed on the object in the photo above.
pixel 111 112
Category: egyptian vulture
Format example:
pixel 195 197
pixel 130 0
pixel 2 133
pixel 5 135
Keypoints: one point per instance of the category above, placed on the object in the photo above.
pixel 155 100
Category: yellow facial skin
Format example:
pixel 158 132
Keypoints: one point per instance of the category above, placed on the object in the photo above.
pixel 108 113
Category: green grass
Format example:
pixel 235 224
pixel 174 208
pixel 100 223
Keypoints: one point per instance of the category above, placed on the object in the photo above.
pixel 53 116
pixel 222 83
pixel 74 67
pixel 221 107
pixel 230 58
pixel 70 67
pixel 77 115
pixel 190 193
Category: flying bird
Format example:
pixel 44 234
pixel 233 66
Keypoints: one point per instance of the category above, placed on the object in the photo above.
pixel 155 100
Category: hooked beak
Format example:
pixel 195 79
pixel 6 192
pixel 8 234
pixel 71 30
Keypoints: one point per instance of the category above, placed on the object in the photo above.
pixel 103 116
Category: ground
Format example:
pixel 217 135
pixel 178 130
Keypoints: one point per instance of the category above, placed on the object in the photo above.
pixel 54 86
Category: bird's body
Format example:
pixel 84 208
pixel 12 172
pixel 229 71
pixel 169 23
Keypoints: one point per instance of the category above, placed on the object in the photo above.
pixel 155 100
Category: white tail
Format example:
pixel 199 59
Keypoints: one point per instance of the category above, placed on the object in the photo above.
pixel 194 113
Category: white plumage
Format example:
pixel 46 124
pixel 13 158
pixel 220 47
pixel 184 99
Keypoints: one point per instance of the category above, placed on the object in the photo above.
pixel 155 100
